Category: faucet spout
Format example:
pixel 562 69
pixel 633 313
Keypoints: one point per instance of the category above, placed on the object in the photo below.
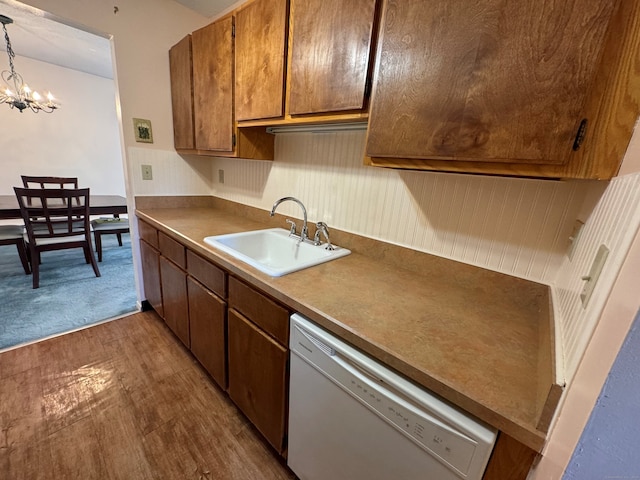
pixel 304 232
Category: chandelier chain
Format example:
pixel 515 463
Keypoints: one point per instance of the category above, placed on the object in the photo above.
pixel 10 51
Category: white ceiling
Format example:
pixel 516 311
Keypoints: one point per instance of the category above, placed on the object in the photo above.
pixel 207 8
pixel 35 34
pixel 39 35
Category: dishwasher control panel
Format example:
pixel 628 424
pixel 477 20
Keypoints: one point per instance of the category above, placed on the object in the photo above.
pixel 453 447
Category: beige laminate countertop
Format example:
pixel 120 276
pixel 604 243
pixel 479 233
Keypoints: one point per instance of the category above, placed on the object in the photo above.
pixel 475 337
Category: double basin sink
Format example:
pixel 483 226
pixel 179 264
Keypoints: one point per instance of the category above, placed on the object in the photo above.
pixel 274 251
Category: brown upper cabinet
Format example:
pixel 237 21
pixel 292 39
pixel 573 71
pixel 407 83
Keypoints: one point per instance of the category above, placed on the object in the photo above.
pixel 211 95
pixel 330 58
pixel 504 87
pixel 213 85
pixel 182 93
pixel 328 50
pixel 261 40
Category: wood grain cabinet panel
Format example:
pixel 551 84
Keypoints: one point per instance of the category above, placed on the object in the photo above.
pixel 172 249
pixel 148 233
pixel 330 55
pixel 258 377
pixel 485 81
pixel 213 60
pixel 181 73
pixel 510 459
pixel 272 317
pixel 211 276
pixel 207 330
pixel 261 35
pixel 150 260
pixel 174 299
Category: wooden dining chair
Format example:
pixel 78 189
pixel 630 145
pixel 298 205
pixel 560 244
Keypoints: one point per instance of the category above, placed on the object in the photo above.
pixel 29 181
pixel 14 235
pixel 55 219
pixel 108 226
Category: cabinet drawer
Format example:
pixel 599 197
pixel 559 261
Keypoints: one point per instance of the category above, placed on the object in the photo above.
pixel 172 250
pixel 263 311
pixel 148 233
pixel 207 273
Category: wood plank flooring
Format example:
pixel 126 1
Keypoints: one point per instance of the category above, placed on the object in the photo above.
pixel 122 400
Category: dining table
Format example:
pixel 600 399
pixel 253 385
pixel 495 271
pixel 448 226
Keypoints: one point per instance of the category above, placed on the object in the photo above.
pixel 98 205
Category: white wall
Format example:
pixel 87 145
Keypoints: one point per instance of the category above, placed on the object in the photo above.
pixel 143 31
pixel 604 325
pixel 81 139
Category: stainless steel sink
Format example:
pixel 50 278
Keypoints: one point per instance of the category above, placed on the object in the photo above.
pixel 273 251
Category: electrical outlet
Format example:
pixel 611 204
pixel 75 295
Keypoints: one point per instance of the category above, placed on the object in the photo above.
pixel 147 172
pixel 220 176
pixel 574 237
pixel 594 274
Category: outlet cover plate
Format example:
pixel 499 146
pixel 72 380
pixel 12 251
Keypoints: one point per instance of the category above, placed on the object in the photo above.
pixel 147 172
pixel 592 278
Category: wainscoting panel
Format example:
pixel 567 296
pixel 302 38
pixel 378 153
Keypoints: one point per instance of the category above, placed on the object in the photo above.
pixel 516 226
pixel 172 174
pixel 614 222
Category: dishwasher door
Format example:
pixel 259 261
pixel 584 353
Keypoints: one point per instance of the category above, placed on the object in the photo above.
pixel 351 418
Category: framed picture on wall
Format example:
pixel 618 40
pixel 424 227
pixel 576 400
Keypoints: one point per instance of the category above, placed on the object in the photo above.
pixel 142 130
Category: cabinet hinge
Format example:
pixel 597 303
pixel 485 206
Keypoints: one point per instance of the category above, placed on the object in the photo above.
pixel 233 140
pixel 582 131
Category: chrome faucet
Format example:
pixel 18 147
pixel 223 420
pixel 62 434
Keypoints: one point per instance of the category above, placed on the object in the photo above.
pixel 322 228
pixel 304 234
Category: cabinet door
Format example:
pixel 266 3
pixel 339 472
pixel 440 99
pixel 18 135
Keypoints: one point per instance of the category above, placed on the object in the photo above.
pixel 207 330
pixel 182 93
pixel 330 50
pixel 488 81
pixel 150 259
pixel 174 296
pixel 261 32
pixel 213 86
pixel 257 377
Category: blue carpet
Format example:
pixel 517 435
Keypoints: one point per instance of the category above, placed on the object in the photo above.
pixel 70 295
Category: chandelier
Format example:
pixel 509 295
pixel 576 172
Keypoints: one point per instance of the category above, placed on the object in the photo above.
pixel 17 94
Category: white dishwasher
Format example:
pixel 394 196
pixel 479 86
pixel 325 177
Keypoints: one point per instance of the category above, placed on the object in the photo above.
pixel 351 418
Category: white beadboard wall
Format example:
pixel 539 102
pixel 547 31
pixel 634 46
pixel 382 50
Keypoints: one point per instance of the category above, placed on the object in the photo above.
pixel 613 222
pixel 172 174
pixel 516 226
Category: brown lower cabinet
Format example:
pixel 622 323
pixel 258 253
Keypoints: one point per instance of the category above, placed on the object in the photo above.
pixel 258 377
pixel 174 299
pixel 150 259
pixel 208 327
pixel 244 345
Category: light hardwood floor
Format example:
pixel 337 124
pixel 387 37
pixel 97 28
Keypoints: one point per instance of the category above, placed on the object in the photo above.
pixel 122 400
